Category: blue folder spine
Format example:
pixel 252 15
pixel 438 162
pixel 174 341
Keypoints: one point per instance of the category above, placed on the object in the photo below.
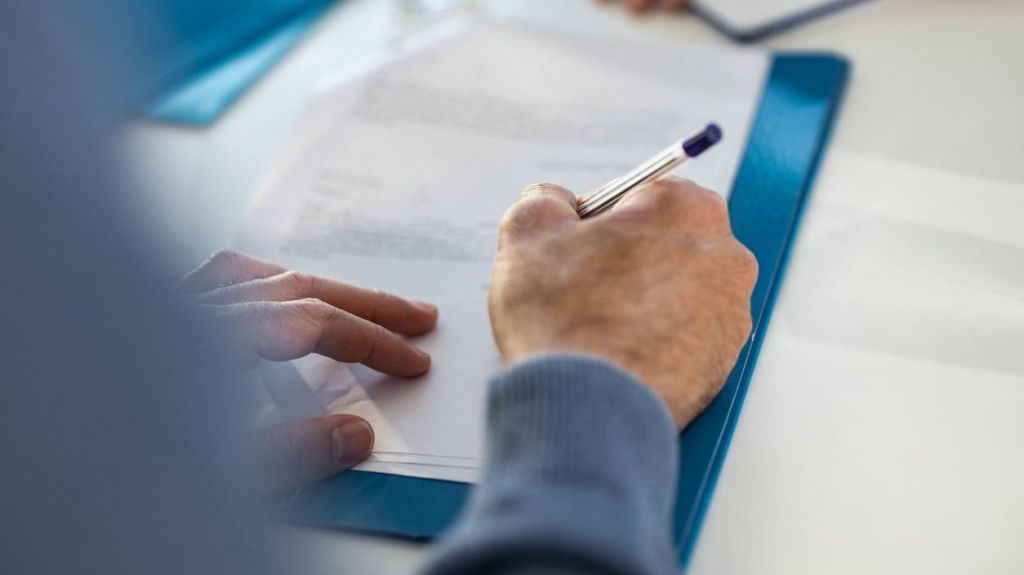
pixel 791 132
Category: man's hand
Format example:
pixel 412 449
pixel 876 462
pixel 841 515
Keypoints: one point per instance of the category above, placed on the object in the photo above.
pixel 279 315
pixel 658 285
pixel 295 454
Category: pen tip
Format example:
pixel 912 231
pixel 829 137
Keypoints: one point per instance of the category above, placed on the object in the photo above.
pixel 698 144
pixel 713 133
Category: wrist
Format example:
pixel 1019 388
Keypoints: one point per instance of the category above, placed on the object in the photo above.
pixel 664 377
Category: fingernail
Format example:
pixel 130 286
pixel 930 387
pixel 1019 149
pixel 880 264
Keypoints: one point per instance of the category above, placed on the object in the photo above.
pixel 424 306
pixel 425 359
pixel 352 442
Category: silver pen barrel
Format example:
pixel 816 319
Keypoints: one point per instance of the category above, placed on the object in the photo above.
pixel 668 159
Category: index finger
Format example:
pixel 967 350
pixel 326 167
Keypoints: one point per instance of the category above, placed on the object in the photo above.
pixel 382 308
pixel 227 267
pixel 290 330
pixel 692 208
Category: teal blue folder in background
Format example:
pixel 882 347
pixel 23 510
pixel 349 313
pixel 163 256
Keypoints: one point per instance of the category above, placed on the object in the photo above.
pixel 205 55
pixel 789 135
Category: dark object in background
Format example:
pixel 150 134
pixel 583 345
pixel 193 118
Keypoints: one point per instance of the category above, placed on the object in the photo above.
pixel 729 21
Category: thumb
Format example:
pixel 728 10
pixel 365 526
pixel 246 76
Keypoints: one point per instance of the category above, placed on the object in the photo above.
pixel 294 454
pixel 540 207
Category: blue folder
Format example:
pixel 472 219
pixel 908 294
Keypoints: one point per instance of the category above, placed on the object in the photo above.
pixel 199 56
pixel 791 131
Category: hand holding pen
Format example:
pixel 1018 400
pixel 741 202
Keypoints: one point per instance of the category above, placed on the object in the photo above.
pixel 662 292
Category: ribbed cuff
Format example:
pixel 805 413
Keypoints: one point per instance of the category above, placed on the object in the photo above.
pixel 581 471
pixel 574 414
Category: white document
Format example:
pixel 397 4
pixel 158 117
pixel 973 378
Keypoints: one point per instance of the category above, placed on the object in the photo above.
pixel 397 179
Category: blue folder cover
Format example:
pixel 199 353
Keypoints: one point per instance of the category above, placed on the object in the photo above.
pixel 219 52
pixel 789 135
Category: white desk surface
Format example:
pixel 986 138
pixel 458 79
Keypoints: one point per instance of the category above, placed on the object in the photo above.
pixel 884 428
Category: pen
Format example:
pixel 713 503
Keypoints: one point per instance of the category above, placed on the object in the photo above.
pixel 603 198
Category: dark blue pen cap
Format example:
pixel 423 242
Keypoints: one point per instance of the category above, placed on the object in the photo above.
pixel 698 144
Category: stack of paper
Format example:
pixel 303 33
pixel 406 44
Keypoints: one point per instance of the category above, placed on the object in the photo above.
pixel 397 179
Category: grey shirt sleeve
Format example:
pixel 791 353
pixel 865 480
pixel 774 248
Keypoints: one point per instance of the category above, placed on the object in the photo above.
pixel 580 479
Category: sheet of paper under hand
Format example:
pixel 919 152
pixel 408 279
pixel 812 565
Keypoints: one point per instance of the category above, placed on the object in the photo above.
pixel 397 179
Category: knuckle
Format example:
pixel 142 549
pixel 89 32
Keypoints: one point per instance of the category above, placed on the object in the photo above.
pixel 528 211
pixel 714 204
pixel 665 194
pixel 673 195
pixel 538 207
pixel 379 334
pixel 316 310
pixel 315 317
pixel 542 188
pixel 378 302
pixel 742 321
pixel 747 264
pixel 297 282
pixel 376 338
pixel 226 258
